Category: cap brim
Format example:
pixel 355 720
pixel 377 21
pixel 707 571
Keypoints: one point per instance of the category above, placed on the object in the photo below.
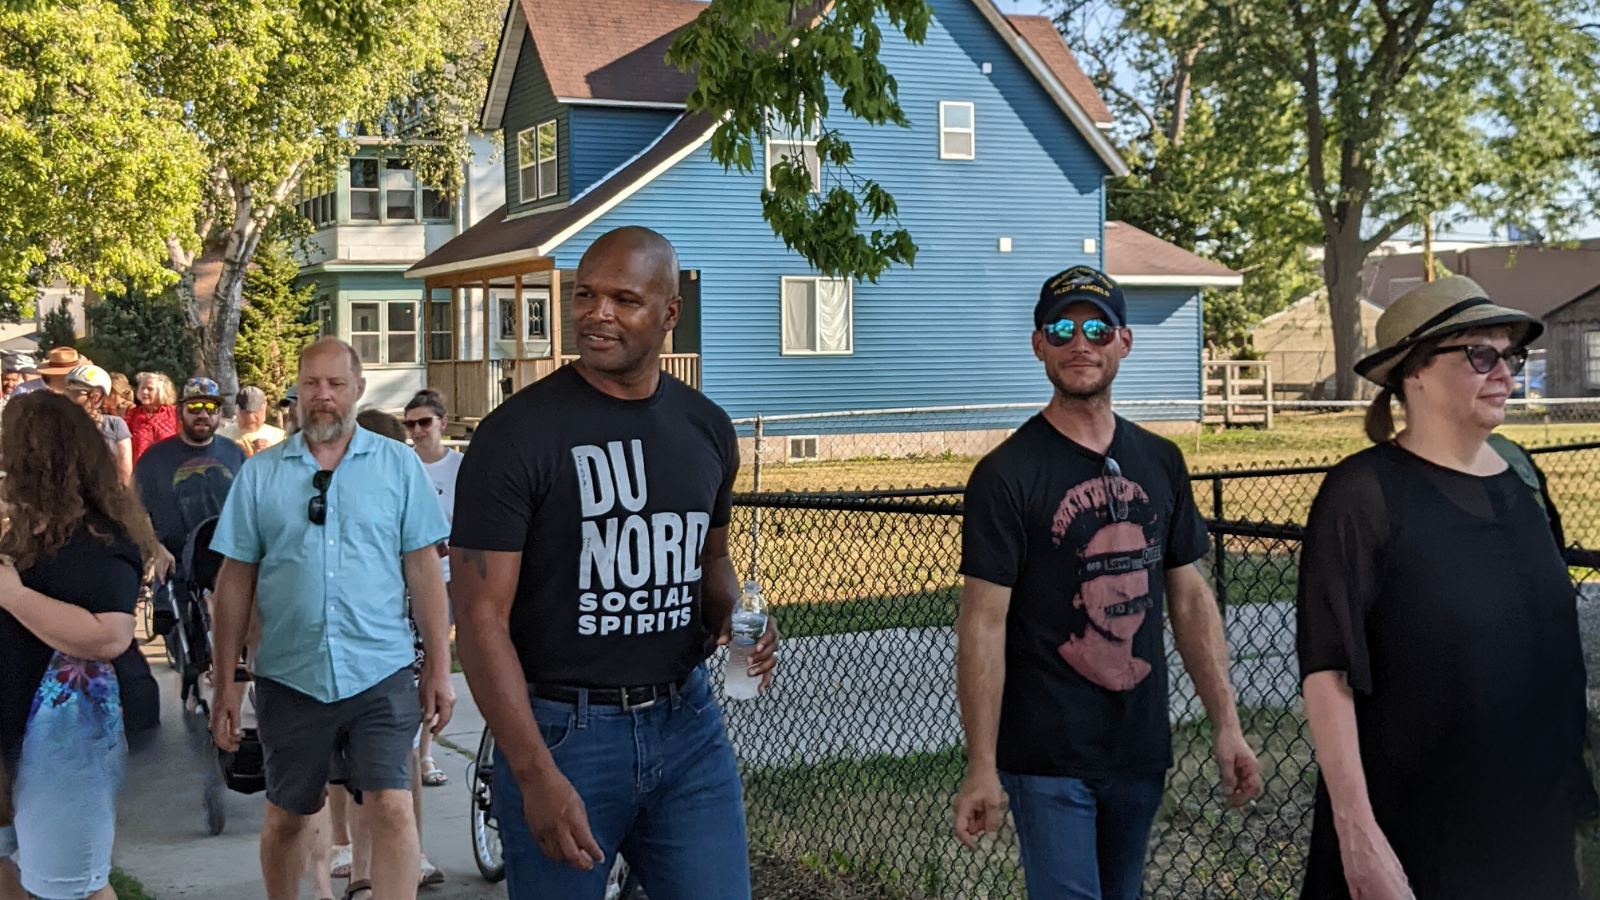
pixel 1376 367
pixel 1060 304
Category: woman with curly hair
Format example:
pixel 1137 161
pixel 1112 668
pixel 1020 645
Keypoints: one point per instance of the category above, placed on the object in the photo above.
pixel 71 564
pixel 154 417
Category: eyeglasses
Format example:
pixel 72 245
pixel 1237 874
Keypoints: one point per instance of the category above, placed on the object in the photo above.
pixel 425 422
pixel 1097 331
pixel 317 509
pixel 1117 502
pixel 203 406
pixel 1483 358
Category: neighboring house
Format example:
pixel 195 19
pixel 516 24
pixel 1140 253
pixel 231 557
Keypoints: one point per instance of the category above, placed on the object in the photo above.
pixel 999 179
pixel 1572 344
pixel 373 220
pixel 54 296
pixel 1298 341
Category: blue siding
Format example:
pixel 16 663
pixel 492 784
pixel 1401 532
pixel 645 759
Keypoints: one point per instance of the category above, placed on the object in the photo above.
pixel 601 138
pixel 530 102
pixel 1165 362
pixel 955 329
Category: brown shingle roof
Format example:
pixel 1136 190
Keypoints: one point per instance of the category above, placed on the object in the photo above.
pixel 1041 34
pixel 611 49
pixel 1131 253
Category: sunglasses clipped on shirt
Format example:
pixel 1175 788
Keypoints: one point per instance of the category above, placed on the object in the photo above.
pixel 1483 357
pixel 1118 503
pixel 1097 331
pixel 317 509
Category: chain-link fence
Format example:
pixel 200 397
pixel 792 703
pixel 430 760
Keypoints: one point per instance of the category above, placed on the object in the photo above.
pixel 851 760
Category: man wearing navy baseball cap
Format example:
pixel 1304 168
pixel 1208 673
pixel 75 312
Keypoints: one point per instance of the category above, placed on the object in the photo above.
pixel 1077 529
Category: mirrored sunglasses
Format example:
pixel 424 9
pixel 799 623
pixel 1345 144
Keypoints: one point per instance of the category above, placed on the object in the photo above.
pixel 200 406
pixel 1097 331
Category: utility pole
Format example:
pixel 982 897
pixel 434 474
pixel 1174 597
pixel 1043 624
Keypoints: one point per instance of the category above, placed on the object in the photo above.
pixel 1427 247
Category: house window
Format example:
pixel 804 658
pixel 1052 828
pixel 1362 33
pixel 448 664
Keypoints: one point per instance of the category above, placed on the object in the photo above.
pixel 536 162
pixel 400 192
pixel 365 192
pixel 1591 359
pixel 783 142
pixel 957 130
pixel 316 198
pixel 817 316
pixel 384 333
pixel 802 448
pixel 508 316
pixel 324 316
pixel 440 313
pixel 437 206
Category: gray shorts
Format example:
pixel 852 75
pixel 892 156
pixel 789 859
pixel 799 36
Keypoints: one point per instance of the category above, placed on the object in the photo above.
pixel 369 735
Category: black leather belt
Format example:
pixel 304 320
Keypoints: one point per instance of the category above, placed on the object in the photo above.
pixel 627 698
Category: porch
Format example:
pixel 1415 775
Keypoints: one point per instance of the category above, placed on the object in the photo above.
pixel 523 312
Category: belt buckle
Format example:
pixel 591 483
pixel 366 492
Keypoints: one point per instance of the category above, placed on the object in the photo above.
pixel 628 707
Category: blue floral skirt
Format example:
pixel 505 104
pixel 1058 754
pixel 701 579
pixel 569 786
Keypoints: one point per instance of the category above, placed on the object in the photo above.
pixel 66 783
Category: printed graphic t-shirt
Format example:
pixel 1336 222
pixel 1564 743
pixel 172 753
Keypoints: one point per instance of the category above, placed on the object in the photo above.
pixel 442 474
pixel 609 502
pixel 183 485
pixel 1085 554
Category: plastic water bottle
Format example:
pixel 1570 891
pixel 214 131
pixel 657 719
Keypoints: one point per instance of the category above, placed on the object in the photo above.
pixel 749 624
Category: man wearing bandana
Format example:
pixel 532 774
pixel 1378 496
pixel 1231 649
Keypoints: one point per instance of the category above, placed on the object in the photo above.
pixel 1079 532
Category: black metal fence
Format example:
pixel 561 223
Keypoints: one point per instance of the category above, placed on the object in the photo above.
pixel 852 759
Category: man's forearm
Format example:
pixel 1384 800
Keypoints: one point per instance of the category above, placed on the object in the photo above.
pixel 980 684
pixel 1197 634
pixel 719 593
pixel 231 604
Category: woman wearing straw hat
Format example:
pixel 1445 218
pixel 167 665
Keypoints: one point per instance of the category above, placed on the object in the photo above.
pixel 1438 633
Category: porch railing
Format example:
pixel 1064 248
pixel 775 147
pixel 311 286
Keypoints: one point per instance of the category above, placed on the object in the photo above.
pixel 683 366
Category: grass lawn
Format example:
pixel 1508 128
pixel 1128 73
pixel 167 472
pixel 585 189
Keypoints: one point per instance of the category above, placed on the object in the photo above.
pixel 127 887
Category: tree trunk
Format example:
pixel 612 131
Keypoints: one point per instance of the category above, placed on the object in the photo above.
pixel 1342 260
pixel 222 328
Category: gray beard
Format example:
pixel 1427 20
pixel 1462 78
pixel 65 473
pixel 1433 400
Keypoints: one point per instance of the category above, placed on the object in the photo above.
pixel 321 431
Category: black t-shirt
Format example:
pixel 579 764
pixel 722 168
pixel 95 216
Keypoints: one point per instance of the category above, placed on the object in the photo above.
pixel 183 485
pixel 1086 673
pixel 609 502
pixel 86 572
pixel 1444 598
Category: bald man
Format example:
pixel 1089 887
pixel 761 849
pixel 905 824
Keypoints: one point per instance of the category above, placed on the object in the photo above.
pixel 591 580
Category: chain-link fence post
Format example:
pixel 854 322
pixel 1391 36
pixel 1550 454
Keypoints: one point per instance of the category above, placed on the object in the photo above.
pixel 1218 571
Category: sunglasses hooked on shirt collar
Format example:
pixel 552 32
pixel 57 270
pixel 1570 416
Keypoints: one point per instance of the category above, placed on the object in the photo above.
pixel 1096 331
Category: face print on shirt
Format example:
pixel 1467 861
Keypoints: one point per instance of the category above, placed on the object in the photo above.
pixel 1115 561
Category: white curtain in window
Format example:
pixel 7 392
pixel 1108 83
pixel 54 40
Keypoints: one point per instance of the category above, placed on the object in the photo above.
pixel 833 315
pixel 798 316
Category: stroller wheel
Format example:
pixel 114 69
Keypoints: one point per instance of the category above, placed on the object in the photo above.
pixel 216 808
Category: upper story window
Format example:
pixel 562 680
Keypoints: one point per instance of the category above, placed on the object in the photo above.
pixel 316 197
pixel 784 142
pixel 365 190
pixel 381 190
pixel 537 172
pixel 817 316
pixel 384 333
pixel 399 191
pixel 957 130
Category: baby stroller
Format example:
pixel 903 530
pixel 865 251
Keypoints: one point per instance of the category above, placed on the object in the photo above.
pixel 244 770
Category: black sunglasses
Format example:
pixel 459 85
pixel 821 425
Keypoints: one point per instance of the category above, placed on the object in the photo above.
pixel 1097 331
pixel 1484 358
pixel 1118 503
pixel 317 509
pixel 424 422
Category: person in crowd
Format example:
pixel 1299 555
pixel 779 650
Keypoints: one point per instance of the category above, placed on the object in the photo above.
pixel 10 878
pixel 1438 635
pixel 30 379
pixel 289 410
pixel 577 684
pixel 424 423
pixel 154 416
pixel 87 386
pixel 379 422
pixel 328 532
pixel 184 479
pixel 10 377
pixel 249 428
pixel 59 363
pixel 73 560
pixel 1077 529
pixel 119 399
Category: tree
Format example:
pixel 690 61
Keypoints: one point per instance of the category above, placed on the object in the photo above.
pixel 93 170
pixel 275 325
pixel 57 330
pixel 133 330
pixel 767 66
pixel 1406 109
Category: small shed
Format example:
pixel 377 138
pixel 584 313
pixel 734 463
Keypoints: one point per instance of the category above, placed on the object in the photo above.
pixel 1298 341
pixel 1572 345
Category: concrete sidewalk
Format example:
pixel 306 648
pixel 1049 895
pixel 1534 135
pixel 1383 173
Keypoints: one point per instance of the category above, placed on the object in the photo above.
pixel 162 840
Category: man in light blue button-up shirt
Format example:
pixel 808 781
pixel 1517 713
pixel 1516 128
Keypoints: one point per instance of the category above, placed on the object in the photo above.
pixel 324 535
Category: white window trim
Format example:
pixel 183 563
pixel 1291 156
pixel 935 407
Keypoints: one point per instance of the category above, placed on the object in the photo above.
pixel 382 191
pixel 1587 381
pixel 420 349
pixel 810 140
pixel 850 317
pixel 524 163
pixel 944 129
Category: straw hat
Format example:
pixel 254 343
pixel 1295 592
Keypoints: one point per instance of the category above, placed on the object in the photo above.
pixel 1434 309
pixel 62 360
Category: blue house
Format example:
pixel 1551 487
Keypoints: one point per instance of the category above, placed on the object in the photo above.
pixel 1000 180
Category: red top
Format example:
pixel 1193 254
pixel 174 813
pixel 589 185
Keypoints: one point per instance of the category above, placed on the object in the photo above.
pixel 148 427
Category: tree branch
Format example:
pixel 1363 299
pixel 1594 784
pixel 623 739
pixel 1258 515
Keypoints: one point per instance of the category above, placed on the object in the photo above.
pixel 1386 232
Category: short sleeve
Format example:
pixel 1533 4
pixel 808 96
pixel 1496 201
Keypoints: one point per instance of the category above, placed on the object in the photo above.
pixel 993 531
pixel 237 535
pixel 118 429
pixel 722 512
pixel 1340 561
pixel 498 485
pixel 1187 537
pixel 119 574
pixel 422 524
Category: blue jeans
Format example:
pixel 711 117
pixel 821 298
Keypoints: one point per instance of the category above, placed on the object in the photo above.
pixel 1084 839
pixel 660 785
